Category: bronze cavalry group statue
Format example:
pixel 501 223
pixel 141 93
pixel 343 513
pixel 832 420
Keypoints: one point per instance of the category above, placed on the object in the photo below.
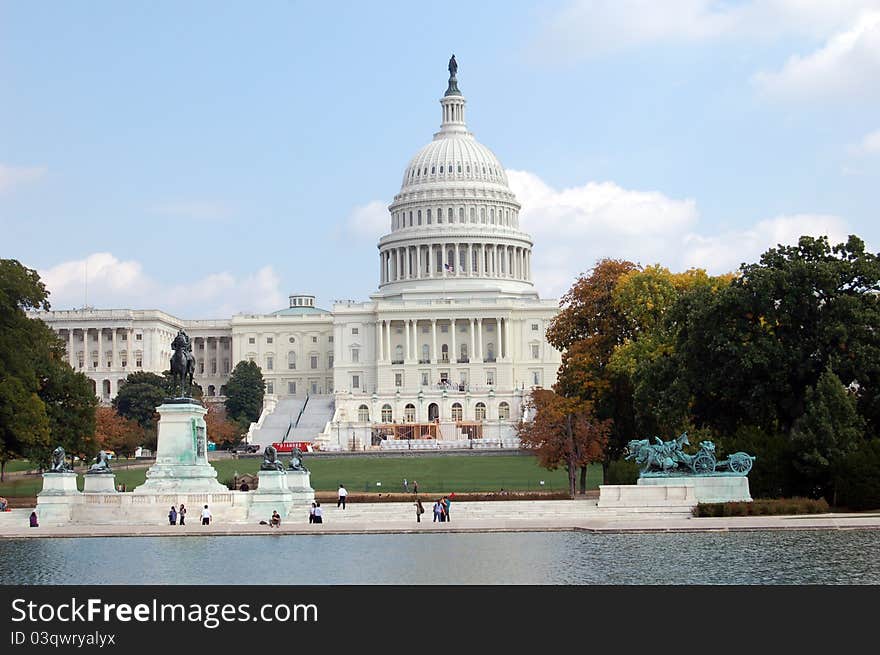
pixel 669 458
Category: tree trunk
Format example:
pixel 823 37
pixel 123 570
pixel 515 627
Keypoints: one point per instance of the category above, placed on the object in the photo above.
pixel 583 489
pixel 572 470
pixel 3 471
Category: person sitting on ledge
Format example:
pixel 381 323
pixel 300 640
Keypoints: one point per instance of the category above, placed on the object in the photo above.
pixel 275 521
pixel 34 523
pixel 4 504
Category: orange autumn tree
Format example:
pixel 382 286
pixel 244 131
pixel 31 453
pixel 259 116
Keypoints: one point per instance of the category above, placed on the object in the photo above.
pixel 116 433
pixel 221 430
pixel 564 432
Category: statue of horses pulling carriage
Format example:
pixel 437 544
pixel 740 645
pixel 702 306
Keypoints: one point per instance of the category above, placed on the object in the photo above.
pixel 668 458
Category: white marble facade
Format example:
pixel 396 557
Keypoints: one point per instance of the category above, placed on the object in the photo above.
pixel 449 345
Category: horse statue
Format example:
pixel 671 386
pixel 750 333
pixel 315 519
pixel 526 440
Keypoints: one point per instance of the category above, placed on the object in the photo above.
pixel 183 363
pixel 101 464
pixel 270 460
pixel 59 462
pixel 664 456
pixel 296 461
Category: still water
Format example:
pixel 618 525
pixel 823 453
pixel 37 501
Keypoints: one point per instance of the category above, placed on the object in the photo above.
pixel 792 557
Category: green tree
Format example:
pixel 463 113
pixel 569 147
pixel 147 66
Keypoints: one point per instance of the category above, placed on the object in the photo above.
pixel 139 397
pixel 244 393
pixel 829 430
pixel 70 406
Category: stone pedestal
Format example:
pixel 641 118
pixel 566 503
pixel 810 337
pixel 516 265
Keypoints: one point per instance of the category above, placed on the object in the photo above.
pixel 272 494
pixel 718 488
pixel 298 482
pixel 56 501
pixel 181 453
pixel 99 483
pixel 660 497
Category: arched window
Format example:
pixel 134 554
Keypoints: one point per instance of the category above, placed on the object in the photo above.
pixel 439 215
pixel 426 353
pixel 492 216
pixel 464 352
pixel 473 214
pixel 444 353
pixel 456 411
pixel 420 217
pixel 482 214
pixel 480 412
pixel 461 214
pixel 433 170
pixel 441 168
pixel 503 411
pixel 363 414
pixel 398 353
pixel 490 352
pixel 449 214
pixel 387 415
pixel 409 413
pixel 291 360
pixel 429 217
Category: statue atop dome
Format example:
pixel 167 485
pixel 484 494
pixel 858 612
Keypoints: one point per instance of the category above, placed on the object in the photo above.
pixel 452 89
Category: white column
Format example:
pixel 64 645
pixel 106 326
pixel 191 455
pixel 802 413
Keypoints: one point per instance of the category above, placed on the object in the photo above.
pixel 101 349
pixel 217 351
pixel 430 260
pixel 480 339
pixel 434 354
pixel 387 340
pixel 453 355
pixel 406 356
pixel 472 323
pixel 419 262
pixel 71 356
pixel 456 267
pixel 506 339
pixel 113 363
pixel 132 358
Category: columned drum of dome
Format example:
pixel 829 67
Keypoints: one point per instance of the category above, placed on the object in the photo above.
pixel 455 221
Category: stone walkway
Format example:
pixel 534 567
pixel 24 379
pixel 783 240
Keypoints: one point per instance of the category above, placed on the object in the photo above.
pixel 374 520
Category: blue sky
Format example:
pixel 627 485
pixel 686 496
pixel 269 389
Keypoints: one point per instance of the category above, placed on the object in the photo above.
pixel 207 158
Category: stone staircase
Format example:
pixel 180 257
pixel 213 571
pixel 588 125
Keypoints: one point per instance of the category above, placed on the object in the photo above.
pixel 14 518
pixel 318 412
pixel 275 425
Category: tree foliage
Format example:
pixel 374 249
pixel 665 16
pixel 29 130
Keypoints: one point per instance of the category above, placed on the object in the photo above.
pixel 221 430
pixel 244 393
pixel 117 433
pixel 139 397
pixel 563 432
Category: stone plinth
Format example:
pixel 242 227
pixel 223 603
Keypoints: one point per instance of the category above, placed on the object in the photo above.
pixel 299 484
pixel 707 488
pixel 99 483
pixel 56 501
pixel 272 494
pixel 181 453
pixel 629 495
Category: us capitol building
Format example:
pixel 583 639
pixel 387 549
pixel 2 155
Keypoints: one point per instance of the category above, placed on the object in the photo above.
pixel 445 352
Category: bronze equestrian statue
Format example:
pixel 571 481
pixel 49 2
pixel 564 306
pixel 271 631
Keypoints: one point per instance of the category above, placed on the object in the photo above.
pixel 183 363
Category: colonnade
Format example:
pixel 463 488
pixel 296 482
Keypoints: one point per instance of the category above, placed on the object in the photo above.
pixel 411 348
pixel 439 260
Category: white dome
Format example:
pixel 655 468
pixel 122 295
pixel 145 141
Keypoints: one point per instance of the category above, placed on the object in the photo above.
pixel 453 157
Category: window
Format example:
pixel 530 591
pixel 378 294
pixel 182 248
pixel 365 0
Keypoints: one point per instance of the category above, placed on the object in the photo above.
pixel 313 361
pixel 314 339
pixel 363 413
pixel 291 388
pixel 124 336
pixel 330 360
pixel 270 387
pixel 426 354
pixel 456 411
pixel 480 412
pixel 464 353
pixel 138 360
pixel 398 379
pixel 503 411
pixel 252 340
pixel 292 340
pixel 269 339
pixel 444 353
pixel 138 337
pixel 387 415
pixel 314 387
pixel 444 328
pixel 490 378
pixel 536 351
pixel 534 327
pixel 490 352
pixel 291 360
pixel 355 355
pixel 424 378
pixel 330 339
pixel 354 330
pixel 409 413
pixel 270 362
pixel 355 381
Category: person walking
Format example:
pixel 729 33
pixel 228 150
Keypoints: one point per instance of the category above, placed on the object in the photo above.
pixel 405 486
pixel 206 516
pixel 319 513
pixel 343 494
pixel 415 486
pixel 182 514
pixel 312 513
pixel 172 516
pixel 438 512
pixel 419 510
pixel 447 501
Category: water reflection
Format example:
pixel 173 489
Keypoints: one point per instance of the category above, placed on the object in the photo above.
pixel 792 557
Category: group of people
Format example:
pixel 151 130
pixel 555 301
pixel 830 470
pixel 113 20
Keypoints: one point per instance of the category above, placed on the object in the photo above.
pixel 415 486
pixel 178 516
pixel 316 514
pixel 441 509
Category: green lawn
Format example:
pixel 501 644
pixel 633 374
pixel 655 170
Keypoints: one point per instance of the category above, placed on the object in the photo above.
pixel 458 473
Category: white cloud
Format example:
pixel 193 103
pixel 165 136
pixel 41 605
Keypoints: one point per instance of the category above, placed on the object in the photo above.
pixel 366 222
pixel 869 145
pixel 102 280
pixel 13 176
pixel 194 209
pixel 573 228
pixel 725 252
pixel 585 28
pixel 846 66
